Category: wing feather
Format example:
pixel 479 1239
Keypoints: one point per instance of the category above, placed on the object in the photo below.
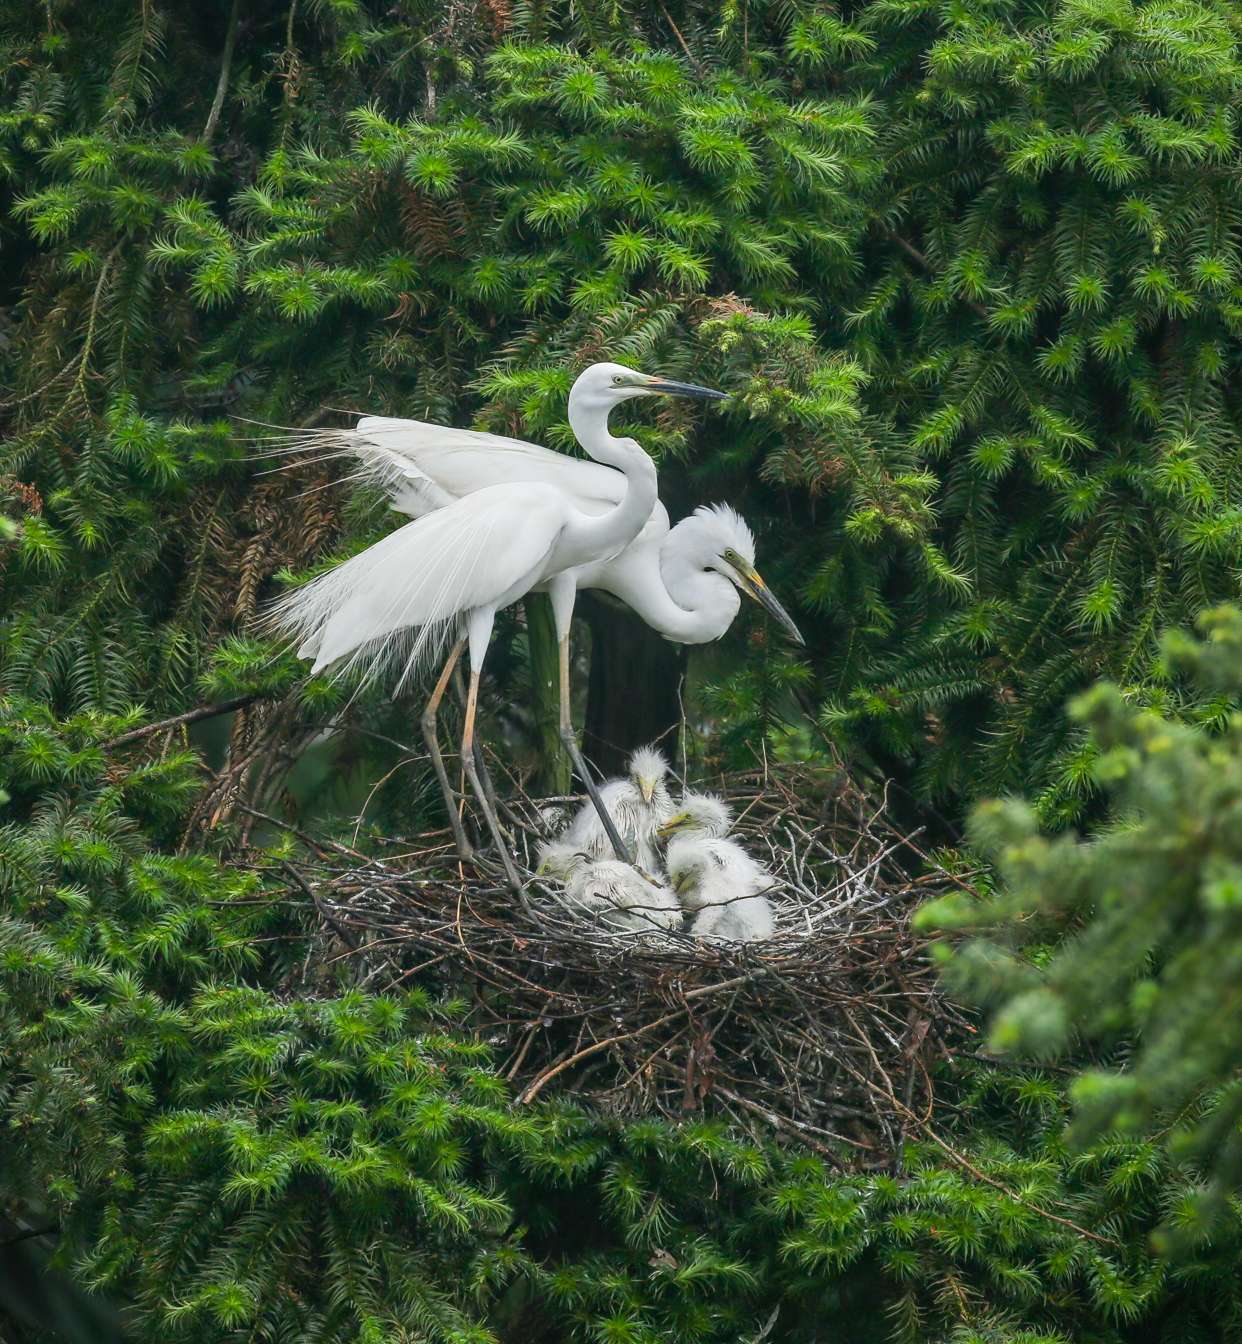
pixel 401 600
pixel 461 461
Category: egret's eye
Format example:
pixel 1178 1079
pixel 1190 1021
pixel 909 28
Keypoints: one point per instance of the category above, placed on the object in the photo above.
pixel 617 379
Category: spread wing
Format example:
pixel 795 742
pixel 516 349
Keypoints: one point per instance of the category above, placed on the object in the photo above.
pixel 424 467
pixel 399 601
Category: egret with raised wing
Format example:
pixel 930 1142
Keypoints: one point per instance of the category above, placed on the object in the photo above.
pixel 438 582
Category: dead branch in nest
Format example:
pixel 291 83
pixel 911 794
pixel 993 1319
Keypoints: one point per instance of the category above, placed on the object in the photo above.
pixel 828 1033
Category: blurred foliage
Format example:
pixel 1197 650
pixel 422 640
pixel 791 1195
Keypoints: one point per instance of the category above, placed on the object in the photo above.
pixel 1134 936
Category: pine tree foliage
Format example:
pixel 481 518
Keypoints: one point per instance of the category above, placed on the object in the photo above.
pixel 970 276
pixel 1132 938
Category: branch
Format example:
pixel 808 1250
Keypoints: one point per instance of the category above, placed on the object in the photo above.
pixel 547 1075
pixel 222 84
pixel 190 716
pixel 30 1234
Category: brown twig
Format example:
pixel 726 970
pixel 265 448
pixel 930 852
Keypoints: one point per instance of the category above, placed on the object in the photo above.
pixel 190 716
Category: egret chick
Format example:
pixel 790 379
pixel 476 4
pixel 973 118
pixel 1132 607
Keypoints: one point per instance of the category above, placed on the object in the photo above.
pixel 697 814
pixel 714 878
pixel 639 802
pixel 620 899
pixel 558 859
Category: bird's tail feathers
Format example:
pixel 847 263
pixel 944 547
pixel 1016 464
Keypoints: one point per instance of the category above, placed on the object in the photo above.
pixel 371 463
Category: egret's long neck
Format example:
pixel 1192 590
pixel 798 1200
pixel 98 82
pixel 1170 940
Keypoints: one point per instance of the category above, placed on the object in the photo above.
pixel 701 603
pixel 620 525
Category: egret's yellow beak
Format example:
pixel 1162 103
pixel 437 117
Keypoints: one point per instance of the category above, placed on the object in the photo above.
pixel 669 388
pixel 750 582
pixel 683 881
pixel 673 824
pixel 647 788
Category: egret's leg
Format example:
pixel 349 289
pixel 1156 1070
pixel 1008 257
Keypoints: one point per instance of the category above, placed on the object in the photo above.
pixel 472 774
pixel 480 756
pixel 464 849
pixel 571 746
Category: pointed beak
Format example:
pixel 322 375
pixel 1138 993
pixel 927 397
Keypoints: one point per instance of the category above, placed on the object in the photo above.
pixel 682 881
pixel 750 582
pixel 672 824
pixel 667 387
pixel 647 788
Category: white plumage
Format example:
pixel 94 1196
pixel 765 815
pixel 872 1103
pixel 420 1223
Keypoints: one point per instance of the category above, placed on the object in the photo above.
pixel 714 878
pixel 454 567
pixel 639 803
pixel 620 899
pixel 443 577
pixel 721 885
pixel 397 604
pixel 608 893
pixel 698 814
pixel 683 581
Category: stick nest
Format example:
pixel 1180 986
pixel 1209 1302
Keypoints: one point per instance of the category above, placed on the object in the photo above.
pixel 827 1033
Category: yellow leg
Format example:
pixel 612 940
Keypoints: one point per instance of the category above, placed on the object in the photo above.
pixel 464 849
pixel 567 722
pixel 472 704
pixel 472 774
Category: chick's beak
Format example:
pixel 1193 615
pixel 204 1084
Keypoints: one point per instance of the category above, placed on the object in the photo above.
pixel 647 788
pixel 750 582
pixel 669 388
pixel 672 824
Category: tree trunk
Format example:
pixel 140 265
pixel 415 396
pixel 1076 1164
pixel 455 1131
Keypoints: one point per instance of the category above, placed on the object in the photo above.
pixel 634 686
pixel 554 773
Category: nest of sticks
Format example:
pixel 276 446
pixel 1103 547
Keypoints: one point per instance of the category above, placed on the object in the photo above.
pixel 827 1033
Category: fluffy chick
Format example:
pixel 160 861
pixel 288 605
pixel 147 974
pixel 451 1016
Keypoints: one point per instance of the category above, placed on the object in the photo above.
pixel 714 878
pixel 619 899
pixel 639 802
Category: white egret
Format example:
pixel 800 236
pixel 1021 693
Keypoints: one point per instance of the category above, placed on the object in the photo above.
pixel 639 802
pixel 683 581
pixel 714 878
pixel 620 899
pixel 698 814
pixel 441 579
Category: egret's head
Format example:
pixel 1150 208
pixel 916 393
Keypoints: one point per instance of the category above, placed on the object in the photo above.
pixel 699 814
pixel 556 859
pixel 719 540
pixel 687 864
pixel 648 769
pixel 603 386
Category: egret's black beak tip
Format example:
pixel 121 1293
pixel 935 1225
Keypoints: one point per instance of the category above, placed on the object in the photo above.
pixel 668 387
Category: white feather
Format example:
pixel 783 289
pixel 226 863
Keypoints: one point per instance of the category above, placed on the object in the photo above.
pixel 723 887
pixel 636 819
pixel 420 581
pixel 613 895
